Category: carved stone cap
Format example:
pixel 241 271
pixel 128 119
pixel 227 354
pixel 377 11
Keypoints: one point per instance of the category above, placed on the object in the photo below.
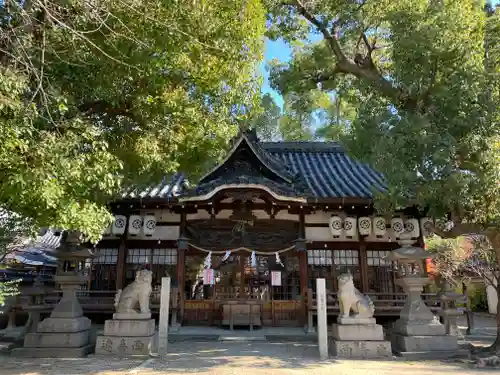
pixel 408 253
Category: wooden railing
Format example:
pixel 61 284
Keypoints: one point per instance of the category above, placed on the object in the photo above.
pixel 92 301
pixel 386 304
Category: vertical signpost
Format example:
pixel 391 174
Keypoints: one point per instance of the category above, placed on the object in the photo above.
pixel 322 325
pixel 164 310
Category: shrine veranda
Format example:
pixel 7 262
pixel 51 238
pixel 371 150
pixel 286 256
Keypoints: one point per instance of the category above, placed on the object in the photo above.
pixel 254 234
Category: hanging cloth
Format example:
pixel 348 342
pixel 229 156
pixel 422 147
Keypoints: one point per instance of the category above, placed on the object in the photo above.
pixel 278 260
pixel 208 261
pixel 253 260
pixel 226 255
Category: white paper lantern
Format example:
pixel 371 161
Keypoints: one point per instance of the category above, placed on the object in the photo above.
pixel 397 226
pixel 365 226
pixel 350 226
pixel 426 224
pixel 134 225
pixel 118 227
pixel 335 224
pixel 379 226
pixel 412 228
pixel 149 225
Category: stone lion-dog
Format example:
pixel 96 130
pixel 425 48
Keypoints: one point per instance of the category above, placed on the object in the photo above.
pixel 352 299
pixel 138 291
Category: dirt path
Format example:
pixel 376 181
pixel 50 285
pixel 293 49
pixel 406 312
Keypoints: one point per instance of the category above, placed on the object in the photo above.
pixel 220 358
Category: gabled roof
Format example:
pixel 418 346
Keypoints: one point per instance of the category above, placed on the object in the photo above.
pixel 249 164
pixel 246 139
pixel 312 170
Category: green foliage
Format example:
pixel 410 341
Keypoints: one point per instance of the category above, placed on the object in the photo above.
pixel 478 297
pixel 15 231
pixel 8 289
pixel 97 97
pixel 424 102
pixel 265 119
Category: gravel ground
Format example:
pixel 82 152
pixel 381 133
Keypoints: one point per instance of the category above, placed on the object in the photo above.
pixel 222 358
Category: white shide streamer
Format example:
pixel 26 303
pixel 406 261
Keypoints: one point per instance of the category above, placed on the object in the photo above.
pixel 208 261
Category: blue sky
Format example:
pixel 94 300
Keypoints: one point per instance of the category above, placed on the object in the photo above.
pixel 282 51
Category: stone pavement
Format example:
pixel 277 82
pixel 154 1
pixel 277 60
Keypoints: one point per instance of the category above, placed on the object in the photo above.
pixel 484 325
pixel 225 358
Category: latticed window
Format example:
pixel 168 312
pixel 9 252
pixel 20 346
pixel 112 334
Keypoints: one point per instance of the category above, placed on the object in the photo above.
pixel 161 262
pixel 103 274
pixel 380 272
pixel 328 264
pixel 290 279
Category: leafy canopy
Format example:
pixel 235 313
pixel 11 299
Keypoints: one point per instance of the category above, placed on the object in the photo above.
pixel 99 96
pixel 426 100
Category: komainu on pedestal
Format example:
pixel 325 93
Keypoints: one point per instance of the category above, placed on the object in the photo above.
pixel 357 335
pixel 130 332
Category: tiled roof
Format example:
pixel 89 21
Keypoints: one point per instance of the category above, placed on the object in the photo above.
pixel 328 171
pixel 50 240
pixel 171 186
pixel 323 168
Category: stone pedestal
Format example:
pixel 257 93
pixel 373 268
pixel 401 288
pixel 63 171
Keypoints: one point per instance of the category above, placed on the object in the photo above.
pixel 359 339
pixel 64 334
pixel 127 334
pixel 417 329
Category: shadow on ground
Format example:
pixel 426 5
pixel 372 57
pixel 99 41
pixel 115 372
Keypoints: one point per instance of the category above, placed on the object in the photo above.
pixel 246 358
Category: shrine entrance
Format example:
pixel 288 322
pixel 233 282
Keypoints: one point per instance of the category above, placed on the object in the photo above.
pixel 270 289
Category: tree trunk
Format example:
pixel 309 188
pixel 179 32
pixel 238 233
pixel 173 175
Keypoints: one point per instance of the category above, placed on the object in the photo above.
pixel 496 345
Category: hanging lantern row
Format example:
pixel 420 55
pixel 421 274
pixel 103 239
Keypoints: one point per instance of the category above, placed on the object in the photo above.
pixel 137 225
pixel 365 226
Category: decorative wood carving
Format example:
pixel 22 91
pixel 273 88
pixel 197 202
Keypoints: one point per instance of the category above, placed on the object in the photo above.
pixel 263 235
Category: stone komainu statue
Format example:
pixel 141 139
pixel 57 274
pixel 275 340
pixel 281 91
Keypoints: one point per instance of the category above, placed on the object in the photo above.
pixel 351 299
pixel 138 291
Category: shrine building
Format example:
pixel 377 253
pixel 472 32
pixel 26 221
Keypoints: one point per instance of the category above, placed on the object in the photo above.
pixel 258 228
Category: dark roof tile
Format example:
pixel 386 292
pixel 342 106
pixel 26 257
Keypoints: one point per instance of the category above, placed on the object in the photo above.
pixel 323 167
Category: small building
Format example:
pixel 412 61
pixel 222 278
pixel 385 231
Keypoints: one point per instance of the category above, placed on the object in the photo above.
pixel 262 225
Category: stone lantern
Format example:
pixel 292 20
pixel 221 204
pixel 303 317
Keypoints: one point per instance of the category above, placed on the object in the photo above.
pixel 66 332
pixel 449 311
pixel 417 329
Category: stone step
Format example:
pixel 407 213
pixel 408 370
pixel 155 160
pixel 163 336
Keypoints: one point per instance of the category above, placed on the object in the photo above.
pixel 52 352
pixel 54 340
pixel 241 338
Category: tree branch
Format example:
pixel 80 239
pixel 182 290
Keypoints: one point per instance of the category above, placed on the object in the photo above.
pixel 103 107
pixel 345 65
pixel 331 40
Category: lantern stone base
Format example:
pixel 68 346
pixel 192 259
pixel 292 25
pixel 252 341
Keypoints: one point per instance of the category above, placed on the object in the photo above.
pixel 57 337
pixel 127 337
pixel 429 347
pixel 359 341
pixel 428 328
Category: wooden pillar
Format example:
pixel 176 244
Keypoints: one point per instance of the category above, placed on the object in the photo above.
pixel 181 266
pixel 363 266
pixel 303 268
pixel 120 262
